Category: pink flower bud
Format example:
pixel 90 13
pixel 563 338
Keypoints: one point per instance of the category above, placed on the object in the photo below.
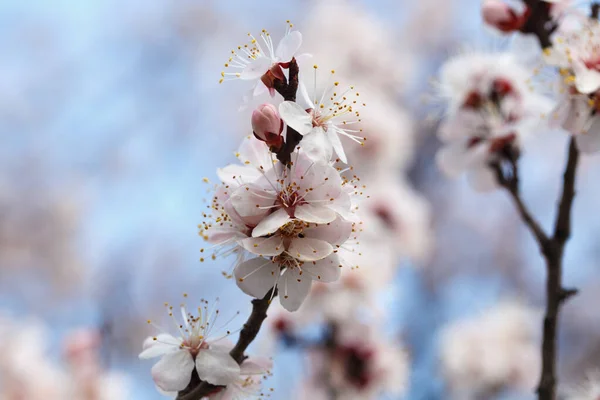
pixel 267 125
pixel 501 16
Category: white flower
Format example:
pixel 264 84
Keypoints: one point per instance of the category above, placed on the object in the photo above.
pixel 192 348
pixel 308 191
pixel 490 108
pixel 493 350
pixel 263 64
pixel 298 253
pixel 362 365
pixel 576 51
pixel 248 384
pixel 322 120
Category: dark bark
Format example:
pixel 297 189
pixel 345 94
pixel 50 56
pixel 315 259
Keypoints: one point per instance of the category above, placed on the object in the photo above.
pixel 552 249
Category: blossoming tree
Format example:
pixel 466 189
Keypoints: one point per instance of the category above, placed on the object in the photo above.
pixel 307 232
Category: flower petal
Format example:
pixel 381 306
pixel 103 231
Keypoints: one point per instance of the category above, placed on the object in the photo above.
pixel 316 146
pixel 271 223
pixel 251 200
pixel 308 249
pixel 217 367
pixel 325 270
pixel 296 117
pixel 589 141
pixel 163 344
pixel 586 80
pixel 256 276
pixel 256 366
pixel 334 139
pixel 288 46
pixel 173 372
pixel 293 289
pixel 315 214
pixel 270 246
pixel 256 68
pixel 575 114
pixel 335 233
pixel 235 174
pixel 483 179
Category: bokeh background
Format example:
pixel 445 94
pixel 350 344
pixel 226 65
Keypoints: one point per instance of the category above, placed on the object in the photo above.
pixel 111 115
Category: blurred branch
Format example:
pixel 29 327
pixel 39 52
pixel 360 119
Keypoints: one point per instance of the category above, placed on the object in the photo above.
pixel 552 249
pixel 540 22
pixel 198 389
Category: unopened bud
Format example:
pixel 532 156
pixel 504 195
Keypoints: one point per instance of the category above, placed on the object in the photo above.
pixel 500 16
pixel 267 125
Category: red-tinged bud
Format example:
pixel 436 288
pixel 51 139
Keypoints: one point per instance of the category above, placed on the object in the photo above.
pixel 502 87
pixel 502 142
pixel 473 100
pixel 272 75
pixel 267 126
pixel 499 15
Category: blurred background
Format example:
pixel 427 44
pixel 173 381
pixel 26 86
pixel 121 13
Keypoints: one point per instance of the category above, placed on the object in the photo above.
pixel 111 115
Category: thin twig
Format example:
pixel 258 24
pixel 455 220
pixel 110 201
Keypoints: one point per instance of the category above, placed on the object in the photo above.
pixel 288 89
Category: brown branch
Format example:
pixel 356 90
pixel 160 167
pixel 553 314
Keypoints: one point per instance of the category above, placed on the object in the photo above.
pixel 288 89
pixel 198 389
pixel 540 22
pixel 556 294
pixel 552 249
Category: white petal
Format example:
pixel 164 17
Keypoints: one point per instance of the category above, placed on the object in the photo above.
pixel 271 246
pixel 256 366
pixel 586 80
pixel 315 214
pixel 253 152
pixel 316 146
pixel 259 89
pixel 452 159
pixel 326 270
pixel 483 179
pixel 251 200
pixel 460 125
pixel 256 68
pixel 271 223
pixel 343 206
pixel 296 117
pixel 256 276
pixel 303 98
pixel 576 115
pixel 288 46
pixel 589 141
pixel 334 139
pixel 308 249
pixel 216 367
pixel 174 371
pixel 293 289
pixel 235 174
pixel 163 344
pixel 335 233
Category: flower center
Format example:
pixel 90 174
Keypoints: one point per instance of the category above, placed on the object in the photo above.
pixel 289 198
pixel 286 261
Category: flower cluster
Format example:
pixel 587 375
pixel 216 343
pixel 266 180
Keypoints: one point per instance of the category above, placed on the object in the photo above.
pixel 490 110
pixel 576 53
pixel 482 354
pixel 27 372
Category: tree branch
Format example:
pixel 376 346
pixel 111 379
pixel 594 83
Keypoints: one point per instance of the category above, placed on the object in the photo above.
pixel 555 293
pixel 540 22
pixel 198 389
pixel 288 88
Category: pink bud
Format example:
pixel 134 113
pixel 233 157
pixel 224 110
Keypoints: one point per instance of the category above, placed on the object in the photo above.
pixel 267 125
pixel 501 16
